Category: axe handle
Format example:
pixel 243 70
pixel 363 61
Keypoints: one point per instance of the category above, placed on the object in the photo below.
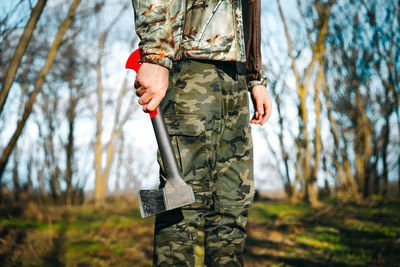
pixel 160 130
pixel 165 147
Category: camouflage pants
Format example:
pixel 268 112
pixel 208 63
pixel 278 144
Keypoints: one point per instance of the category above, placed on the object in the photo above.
pixel 207 116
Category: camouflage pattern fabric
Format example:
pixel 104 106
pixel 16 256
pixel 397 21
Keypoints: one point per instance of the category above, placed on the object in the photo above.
pixel 207 116
pixel 180 29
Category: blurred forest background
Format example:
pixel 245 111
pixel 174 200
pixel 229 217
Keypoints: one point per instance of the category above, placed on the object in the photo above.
pixel 74 143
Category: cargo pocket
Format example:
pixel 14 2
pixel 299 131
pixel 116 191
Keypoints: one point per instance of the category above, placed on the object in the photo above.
pixel 187 133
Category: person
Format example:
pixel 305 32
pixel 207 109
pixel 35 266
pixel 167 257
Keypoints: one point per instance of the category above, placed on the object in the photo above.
pixel 199 57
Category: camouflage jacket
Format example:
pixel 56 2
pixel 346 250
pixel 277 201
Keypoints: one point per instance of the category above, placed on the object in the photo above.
pixel 172 30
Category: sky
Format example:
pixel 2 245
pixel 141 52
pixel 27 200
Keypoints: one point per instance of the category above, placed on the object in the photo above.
pixel 139 133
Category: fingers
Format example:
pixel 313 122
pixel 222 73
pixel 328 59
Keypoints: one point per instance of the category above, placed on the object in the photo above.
pixel 262 104
pixel 144 99
pixel 152 105
pixel 258 114
pixel 151 85
pixel 258 119
pixel 265 116
pixel 255 119
pixel 140 91
pixel 268 109
pixel 262 112
pixel 136 84
pixel 148 99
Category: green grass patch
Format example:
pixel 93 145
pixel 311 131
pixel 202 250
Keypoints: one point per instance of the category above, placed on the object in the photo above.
pixel 83 247
pixel 338 234
pixel 271 211
pixel 279 234
pixel 31 225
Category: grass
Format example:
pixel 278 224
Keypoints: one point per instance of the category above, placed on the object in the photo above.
pixel 338 234
pixel 83 235
pixel 279 234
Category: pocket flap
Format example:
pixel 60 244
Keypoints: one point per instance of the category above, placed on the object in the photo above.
pixel 184 124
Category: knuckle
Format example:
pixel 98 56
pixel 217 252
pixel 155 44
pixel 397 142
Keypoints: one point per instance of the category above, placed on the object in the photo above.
pixel 151 106
pixel 145 84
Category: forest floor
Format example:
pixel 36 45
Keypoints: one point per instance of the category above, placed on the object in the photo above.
pixel 279 234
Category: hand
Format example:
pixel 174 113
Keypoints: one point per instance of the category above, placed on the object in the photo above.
pixel 262 104
pixel 151 85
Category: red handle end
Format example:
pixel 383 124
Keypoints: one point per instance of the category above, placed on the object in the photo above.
pixel 154 113
pixel 133 61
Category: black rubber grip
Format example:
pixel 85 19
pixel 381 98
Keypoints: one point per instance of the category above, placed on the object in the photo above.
pixel 165 147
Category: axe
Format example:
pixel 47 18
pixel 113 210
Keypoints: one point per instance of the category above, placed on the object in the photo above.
pixel 176 193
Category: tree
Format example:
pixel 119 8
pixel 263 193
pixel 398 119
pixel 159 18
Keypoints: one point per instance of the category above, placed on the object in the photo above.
pixel 20 51
pixel 358 56
pixel 316 39
pixel 38 84
pixel 102 173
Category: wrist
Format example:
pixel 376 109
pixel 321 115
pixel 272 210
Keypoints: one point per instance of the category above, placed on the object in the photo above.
pixel 162 60
pixel 256 79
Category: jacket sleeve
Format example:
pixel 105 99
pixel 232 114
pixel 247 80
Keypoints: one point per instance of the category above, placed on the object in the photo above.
pixel 255 74
pixel 154 30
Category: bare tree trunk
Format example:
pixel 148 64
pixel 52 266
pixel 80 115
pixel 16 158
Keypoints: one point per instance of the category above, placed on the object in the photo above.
pixel 20 51
pixel 302 90
pixel 28 186
pixel 288 185
pixel 362 123
pixel 311 185
pixel 41 183
pixel 345 177
pixel 38 84
pixel 53 171
pixel 303 84
pixel 55 185
pixel 71 114
pixel 362 148
pixel 319 50
pixel 395 79
pixel 17 184
pixel 99 193
pixel 117 130
pixel 102 176
pixel 118 168
pixel 384 154
pixel 391 84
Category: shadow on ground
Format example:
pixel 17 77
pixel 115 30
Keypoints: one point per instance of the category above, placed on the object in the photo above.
pixel 339 234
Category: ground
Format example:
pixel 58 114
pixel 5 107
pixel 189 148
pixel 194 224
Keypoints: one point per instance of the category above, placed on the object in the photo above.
pixel 348 233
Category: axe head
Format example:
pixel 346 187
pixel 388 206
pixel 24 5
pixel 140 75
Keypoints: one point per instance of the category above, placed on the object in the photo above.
pixel 168 198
